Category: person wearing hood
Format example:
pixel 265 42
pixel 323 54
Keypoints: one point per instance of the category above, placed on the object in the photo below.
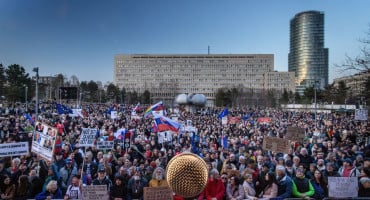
pixel 302 187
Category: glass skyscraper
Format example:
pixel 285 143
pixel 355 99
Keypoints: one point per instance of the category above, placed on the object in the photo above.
pixel 308 58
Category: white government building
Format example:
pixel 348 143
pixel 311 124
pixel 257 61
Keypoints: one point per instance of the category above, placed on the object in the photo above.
pixel 166 76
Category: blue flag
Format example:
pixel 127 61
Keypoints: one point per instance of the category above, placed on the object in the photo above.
pixel 224 113
pixel 224 142
pixel 247 116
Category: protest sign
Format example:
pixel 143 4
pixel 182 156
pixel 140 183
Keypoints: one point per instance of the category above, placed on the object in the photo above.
pixel 233 120
pixel 87 137
pixel 361 114
pixel 265 120
pixel 295 134
pixel 113 114
pixel 103 145
pixel 43 142
pixel 165 136
pixel 343 187
pixel 95 192
pixel 275 144
pixel 13 149
pixel 157 193
pixel 224 120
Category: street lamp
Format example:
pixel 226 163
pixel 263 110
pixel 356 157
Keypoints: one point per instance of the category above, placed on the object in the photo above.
pixel 25 98
pixel 36 69
pixel 315 90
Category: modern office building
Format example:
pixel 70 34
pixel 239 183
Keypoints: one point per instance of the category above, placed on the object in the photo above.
pixel 166 76
pixel 308 58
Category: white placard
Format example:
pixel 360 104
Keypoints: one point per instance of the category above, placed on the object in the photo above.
pixel 113 114
pixel 103 145
pixel 361 114
pixel 224 120
pixel 13 149
pixel 43 142
pixel 343 187
pixel 95 192
pixel 87 137
pixel 165 136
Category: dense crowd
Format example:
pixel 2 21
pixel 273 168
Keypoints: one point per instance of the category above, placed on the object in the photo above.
pixel 335 145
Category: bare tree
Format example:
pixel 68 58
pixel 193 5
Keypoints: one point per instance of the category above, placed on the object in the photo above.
pixel 361 62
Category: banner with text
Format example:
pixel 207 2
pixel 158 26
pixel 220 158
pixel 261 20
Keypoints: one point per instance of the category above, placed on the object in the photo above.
pixel 343 187
pixel 87 137
pixel 13 149
pixel 105 145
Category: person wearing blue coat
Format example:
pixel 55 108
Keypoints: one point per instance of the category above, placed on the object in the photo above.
pixel 52 192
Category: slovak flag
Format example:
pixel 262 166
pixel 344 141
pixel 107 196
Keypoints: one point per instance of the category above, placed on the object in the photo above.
pixel 166 124
pixel 155 108
pixel 137 108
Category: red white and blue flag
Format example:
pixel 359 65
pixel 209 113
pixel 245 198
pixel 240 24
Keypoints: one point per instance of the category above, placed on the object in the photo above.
pixel 166 124
pixel 156 108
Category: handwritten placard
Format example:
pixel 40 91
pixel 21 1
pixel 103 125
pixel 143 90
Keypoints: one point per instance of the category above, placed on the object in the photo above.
pixel 343 187
pixel 157 193
pixel 95 192
pixel 295 134
pixel 275 144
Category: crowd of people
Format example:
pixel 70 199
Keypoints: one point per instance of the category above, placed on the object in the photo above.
pixel 335 145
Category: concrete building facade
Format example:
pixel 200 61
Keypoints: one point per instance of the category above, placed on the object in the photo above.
pixel 355 82
pixel 166 76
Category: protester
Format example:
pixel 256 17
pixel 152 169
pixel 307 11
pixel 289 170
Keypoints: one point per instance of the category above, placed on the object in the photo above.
pixel 271 188
pixel 52 192
pixel 320 185
pixel 234 190
pixel 215 188
pixel 118 189
pixel 248 186
pixel 158 178
pixel 102 178
pixel 302 187
pixel 7 188
pixel 285 184
pixel 330 140
pixel 74 189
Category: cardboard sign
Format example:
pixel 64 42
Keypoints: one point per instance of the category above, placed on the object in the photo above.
pixel 13 149
pixel 295 134
pixel 103 145
pixel 87 137
pixel 343 187
pixel 277 145
pixel 157 193
pixel 95 192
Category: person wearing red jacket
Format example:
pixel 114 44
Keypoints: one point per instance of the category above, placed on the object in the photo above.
pixel 215 188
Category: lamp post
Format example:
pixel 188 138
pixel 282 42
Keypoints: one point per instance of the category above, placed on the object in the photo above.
pixel 36 69
pixel 25 98
pixel 315 90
